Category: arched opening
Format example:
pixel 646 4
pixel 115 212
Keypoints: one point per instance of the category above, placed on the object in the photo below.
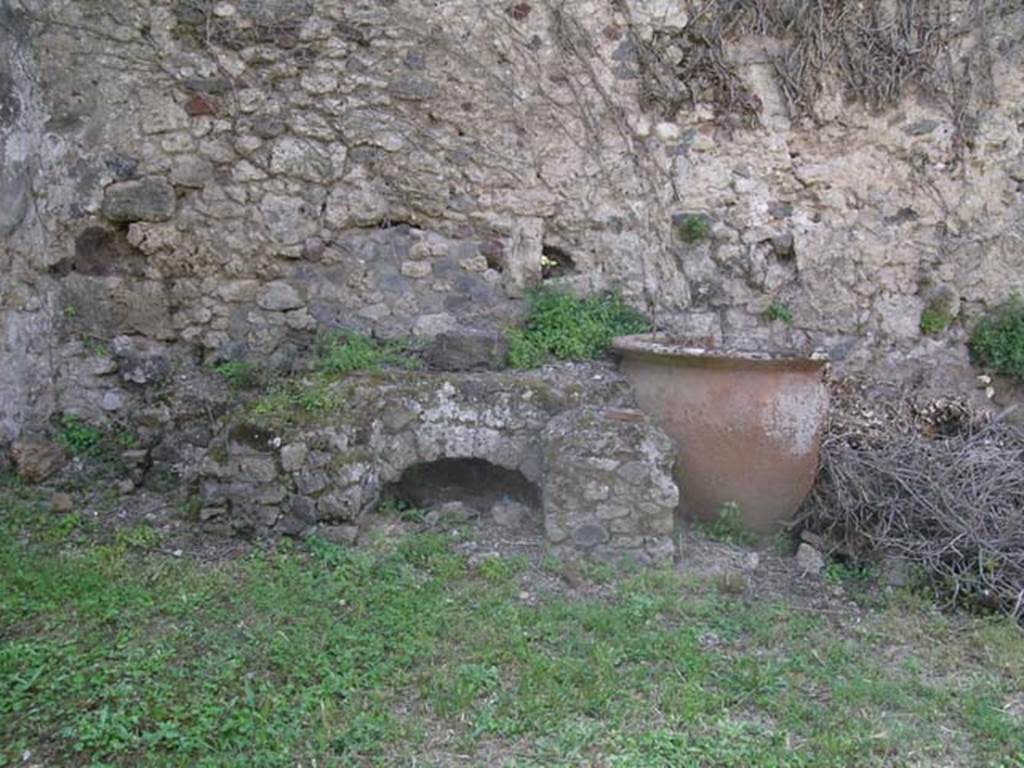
pixel 486 490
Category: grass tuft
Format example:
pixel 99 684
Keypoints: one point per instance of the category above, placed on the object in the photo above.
pixel 560 326
pixel 340 353
pixel 997 341
pixel 319 654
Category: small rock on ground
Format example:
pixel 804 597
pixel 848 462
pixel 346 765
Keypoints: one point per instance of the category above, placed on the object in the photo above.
pixel 809 559
pixel 62 503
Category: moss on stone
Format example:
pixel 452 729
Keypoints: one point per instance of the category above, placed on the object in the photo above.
pixel 940 311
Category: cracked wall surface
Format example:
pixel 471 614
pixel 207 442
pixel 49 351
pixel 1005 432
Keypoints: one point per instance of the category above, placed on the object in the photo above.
pixel 222 180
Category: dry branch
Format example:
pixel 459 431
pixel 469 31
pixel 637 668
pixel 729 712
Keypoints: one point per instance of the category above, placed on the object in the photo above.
pixel 940 487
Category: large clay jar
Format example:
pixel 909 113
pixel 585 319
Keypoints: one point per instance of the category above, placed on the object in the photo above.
pixel 747 426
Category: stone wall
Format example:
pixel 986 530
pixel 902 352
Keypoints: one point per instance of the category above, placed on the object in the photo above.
pixel 221 180
pixel 600 472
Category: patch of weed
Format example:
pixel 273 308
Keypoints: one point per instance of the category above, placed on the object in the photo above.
pixel 780 311
pixel 404 510
pixel 728 526
pixel 498 570
pixel 317 653
pixel 839 572
pixel 561 326
pixel 340 353
pixel 80 438
pixel 934 321
pixel 297 398
pixel 239 374
pixel 997 341
pixel 693 228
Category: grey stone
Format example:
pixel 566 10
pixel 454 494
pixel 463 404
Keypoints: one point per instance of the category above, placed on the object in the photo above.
pixel 660 550
pixel 271 495
pixel 36 459
pixel 589 535
pixel 303 509
pixel 135 457
pixel 813 539
pixel 289 219
pixel 269 126
pixel 301 159
pixel 15 195
pixel 416 269
pixel 191 171
pixel 140 360
pixel 149 199
pixel 311 482
pixel 782 245
pixel 510 514
pixel 921 127
pixel 810 560
pixel 467 350
pixel 339 534
pixel 584 489
pixel 112 401
pixel 215 86
pixel 293 457
pixel 433 325
pixel 211 513
pixel 289 525
pixel 340 504
pixel 280 296
pixel 62 503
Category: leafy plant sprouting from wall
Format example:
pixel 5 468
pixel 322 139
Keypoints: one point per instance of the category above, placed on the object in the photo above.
pixel 560 326
pixel 997 341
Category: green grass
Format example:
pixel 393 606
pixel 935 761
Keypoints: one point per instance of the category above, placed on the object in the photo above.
pixel 340 353
pixel 80 438
pixel 560 326
pixel 728 526
pixel 780 311
pixel 239 374
pixel 114 654
pixel 99 448
pixel 997 341
pixel 295 398
pixel 935 320
pixel 693 228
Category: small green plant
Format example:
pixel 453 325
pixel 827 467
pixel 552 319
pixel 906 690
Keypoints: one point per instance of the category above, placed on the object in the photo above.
pixel 728 526
pixel 298 397
pixel 933 322
pixel 850 574
pixel 997 341
pixel 596 571
pixel 402 509
pixel 502 569
pixel 79 438
pixel 239 374
pixel 778 310
pixel 693 228
pixel 340 353
pixel 95 347
pixel 563 327
pixel 137 537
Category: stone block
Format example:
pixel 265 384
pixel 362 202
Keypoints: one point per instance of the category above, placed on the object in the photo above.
pixel 586 493
pixel 150 199
pixel 36 459
pixel 467 350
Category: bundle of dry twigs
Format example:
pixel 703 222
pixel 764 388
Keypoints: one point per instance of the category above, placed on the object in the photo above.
pixel 939 486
